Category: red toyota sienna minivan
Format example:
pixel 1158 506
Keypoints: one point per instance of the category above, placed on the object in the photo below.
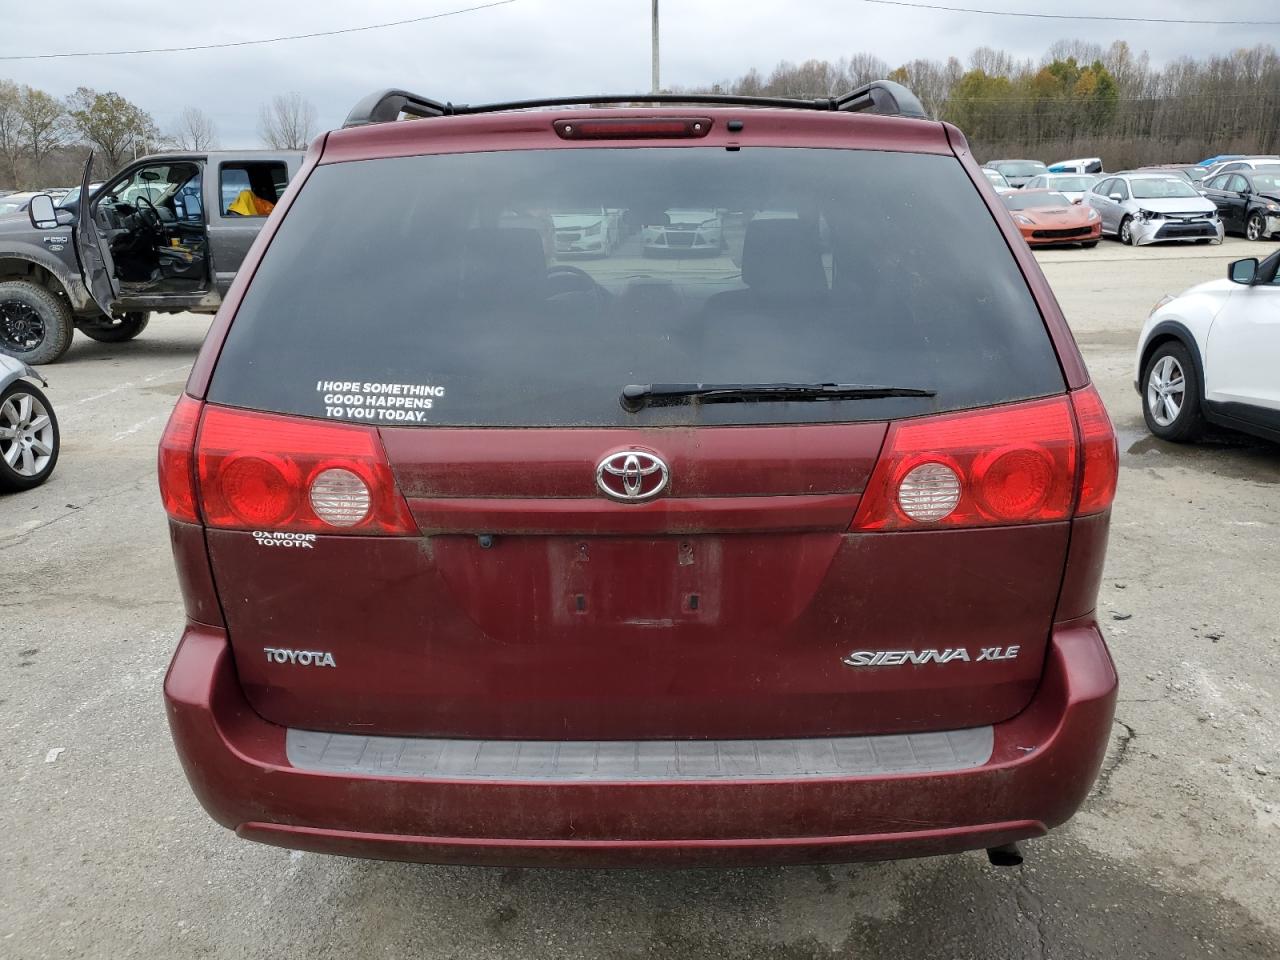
pixel 714 481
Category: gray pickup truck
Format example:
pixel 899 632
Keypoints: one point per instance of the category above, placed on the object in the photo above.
pixel 164 235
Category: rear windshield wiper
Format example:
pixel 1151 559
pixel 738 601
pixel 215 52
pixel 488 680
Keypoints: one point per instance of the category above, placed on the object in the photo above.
pixel 637 396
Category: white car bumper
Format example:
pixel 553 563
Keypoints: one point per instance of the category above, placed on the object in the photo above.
pixel 1162 230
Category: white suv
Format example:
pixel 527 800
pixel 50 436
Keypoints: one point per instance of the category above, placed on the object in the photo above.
pixel 1206 356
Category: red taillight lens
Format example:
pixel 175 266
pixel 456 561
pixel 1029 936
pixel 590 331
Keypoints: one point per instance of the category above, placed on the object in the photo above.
pixel 1101 459
pixel 261 491
pixel 175 464
pixel 1002 465
pixel 259 471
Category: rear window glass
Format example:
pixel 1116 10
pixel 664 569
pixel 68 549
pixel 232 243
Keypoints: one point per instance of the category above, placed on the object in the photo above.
pixel 1162 189
pixel 1072 184
pixel 527 288
pixel 1021 168
pixel 1029 201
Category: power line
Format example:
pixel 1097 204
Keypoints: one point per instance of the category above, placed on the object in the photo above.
pixel 253 43
pixel 1074 16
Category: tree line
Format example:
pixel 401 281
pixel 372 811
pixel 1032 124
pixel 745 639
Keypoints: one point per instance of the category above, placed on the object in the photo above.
pixel 1079 99
pixel 44 139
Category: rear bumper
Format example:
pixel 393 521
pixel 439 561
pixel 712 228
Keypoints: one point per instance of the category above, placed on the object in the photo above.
pixel 1041 767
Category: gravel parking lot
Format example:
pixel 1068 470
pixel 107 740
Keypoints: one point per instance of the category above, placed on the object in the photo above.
pixel 105 852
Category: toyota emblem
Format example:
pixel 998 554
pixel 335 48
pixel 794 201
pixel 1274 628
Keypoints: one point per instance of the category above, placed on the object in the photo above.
pixel 631 476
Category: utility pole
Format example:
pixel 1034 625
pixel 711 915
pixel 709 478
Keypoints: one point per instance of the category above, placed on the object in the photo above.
pixel 655 85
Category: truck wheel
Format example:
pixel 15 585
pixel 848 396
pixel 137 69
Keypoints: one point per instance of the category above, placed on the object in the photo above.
pixel 106 329
pixel 28 437
pixel 35 326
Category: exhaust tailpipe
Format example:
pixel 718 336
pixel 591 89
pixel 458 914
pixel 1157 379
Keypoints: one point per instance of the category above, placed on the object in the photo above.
pixel 1005 855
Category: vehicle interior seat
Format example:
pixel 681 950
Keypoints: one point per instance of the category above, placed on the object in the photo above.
pixel 781 262
pixel 503 265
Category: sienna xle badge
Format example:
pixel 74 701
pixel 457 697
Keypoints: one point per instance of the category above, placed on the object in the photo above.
pixel 623 535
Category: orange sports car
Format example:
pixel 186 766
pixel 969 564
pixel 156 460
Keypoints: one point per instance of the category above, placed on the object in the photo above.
pixel 1046 217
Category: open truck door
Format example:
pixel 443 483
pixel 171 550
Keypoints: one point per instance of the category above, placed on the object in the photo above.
pixel 96 265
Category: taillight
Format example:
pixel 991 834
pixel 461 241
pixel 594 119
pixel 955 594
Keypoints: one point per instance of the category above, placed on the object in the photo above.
pixel 1101 459
pixel 175 465
pixel 1001 465
pixel 259 471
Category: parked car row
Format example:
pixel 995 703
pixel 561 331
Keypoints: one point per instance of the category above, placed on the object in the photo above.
pixel 1147 205
pixel 1023 173
pixel 1231 164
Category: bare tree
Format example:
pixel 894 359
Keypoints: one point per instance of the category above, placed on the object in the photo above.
pixel 116 127
pixel 43 126
pixel 288 122
pixel 928 80
pixel 1081 50
pixel 994 63
pixel 865 67
pixel 194 131
pixel 11 142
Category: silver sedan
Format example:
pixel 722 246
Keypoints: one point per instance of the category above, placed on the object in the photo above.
pixel 1143 208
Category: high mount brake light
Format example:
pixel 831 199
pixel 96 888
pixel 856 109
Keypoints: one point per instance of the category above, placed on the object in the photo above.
pixel 997 466
pixel 625 128
pixel 259 471
pixel 176 465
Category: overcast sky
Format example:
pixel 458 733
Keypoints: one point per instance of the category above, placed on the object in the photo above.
pixel 533 47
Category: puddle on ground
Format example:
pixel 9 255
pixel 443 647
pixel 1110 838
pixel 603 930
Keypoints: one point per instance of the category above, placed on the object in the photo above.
pixel 1236 456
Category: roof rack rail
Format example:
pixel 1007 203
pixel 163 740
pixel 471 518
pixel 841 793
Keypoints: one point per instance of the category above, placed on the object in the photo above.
pixel 385 105
pixel 878 96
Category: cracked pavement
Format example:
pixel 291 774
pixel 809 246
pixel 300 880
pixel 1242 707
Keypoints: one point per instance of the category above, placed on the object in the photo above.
pixel 1176 854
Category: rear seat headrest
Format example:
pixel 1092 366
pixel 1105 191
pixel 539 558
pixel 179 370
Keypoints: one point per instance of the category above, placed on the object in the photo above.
pixel 503 263
pixel 783 257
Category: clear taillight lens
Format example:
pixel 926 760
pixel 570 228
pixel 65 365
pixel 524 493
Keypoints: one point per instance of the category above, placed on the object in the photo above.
pixel 929 492
pixel 339 497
